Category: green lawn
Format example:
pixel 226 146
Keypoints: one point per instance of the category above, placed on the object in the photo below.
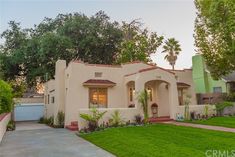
pixel 217 121
pixel 161 140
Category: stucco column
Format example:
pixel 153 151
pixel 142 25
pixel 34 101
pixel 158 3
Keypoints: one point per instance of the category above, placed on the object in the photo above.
pixel 139 87
pixel 173 99
pixel 59 88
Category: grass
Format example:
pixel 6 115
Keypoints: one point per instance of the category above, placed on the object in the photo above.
pixel 161 140
pixel 217 121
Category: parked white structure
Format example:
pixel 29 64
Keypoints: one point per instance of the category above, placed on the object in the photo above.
pixel 79 86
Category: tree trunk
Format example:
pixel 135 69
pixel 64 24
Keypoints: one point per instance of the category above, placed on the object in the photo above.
pixel 173 67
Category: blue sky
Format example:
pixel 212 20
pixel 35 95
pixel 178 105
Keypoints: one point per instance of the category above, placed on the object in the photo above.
pixel 171 18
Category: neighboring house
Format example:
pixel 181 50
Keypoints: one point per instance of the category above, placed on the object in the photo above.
pixel 205 85
pixel 80 86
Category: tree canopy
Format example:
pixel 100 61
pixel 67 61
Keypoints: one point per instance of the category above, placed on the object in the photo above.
pixel 29 55
pixel 215 35
pixel 137 43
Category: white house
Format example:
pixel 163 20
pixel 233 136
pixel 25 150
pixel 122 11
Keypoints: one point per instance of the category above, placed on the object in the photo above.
pixel 80 86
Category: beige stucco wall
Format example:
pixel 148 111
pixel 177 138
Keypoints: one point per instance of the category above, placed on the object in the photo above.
pixel 3 125
pixel 49 90
pixel 72 97
pixel 198 109
pixel 127 114
pixel 167 98
pixel 77 96
pixel 185 76
pixel 59 88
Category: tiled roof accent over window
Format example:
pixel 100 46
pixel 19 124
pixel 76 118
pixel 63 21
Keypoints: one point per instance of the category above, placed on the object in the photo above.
pixel 183 85
pixel 148 69
pixel 96 82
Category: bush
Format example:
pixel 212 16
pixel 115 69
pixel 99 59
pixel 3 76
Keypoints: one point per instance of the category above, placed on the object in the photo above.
pixel 41 120
pixel 221 106
pixel 11 125
pixel 138 119
pixel 93 119
pixel 6 97
pixel 143 97
pixel 230 97
pixel 49 121
pixel 60 119
pixel 116 119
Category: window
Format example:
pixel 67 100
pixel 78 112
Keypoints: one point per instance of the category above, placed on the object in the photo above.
pixel 131 93
pixel 98 97
pixel 217 89
pixel 98 74
pixel 150 93
pixel 180 96
pixel 53 100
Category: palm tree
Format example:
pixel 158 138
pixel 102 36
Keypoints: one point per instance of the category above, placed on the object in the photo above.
pixel 172 48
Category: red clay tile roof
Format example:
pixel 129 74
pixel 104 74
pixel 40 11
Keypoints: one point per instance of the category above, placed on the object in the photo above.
pixel 148 69
pixel 98 65
pixel 179 70
pixel 181 84
pixel 99 82
pixel 112 65
pixel 134 62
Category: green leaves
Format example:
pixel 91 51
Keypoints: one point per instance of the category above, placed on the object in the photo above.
pixel 221 106
pixel 6 97
pixel 214 35
pixel 137 43
pixel 32 53
pixel 172 48
pixel 94 117
pixel 143 99
pixel 116 119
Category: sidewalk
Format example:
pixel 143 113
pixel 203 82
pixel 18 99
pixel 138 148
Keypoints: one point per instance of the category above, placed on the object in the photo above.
pixel 209 127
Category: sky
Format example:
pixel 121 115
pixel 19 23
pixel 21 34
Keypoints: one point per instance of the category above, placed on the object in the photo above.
pixel 170 18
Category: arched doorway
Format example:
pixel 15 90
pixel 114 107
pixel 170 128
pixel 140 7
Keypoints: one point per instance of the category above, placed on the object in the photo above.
pixel 158 91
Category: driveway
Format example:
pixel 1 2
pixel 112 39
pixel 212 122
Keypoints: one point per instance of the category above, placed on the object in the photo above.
pixel 47 142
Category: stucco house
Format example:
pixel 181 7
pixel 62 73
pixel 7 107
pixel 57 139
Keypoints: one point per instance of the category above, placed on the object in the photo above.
pixel 209 90
pixel 204 83
pixel 79 86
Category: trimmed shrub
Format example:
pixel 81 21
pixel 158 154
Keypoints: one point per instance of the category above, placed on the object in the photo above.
pixel 6 97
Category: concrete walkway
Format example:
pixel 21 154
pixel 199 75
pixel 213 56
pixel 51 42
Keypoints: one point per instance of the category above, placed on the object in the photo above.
pixel 209 127
pixel 30 126
pixel 48 143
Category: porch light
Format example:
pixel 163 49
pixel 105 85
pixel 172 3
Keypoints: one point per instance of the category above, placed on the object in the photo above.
pixel 133 91
pixel 149 91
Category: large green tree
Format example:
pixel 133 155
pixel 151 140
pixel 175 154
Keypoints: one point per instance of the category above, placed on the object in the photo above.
pixel 31 53
pixel 94 39
pixel 215 35
pixel 11 56
pixel 137 44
